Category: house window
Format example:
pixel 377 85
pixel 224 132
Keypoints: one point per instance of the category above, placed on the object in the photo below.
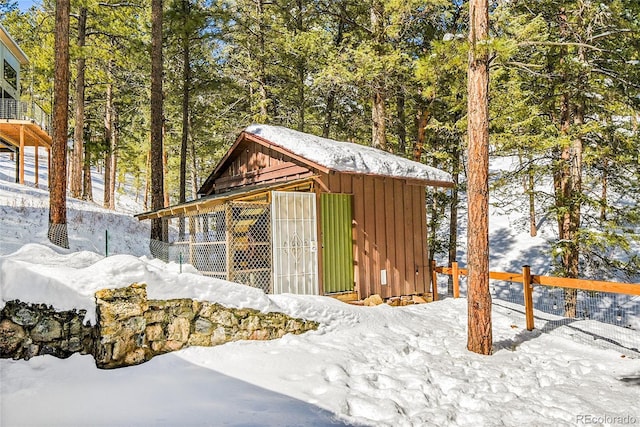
pixel 10 75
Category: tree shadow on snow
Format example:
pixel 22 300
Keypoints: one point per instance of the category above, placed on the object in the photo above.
pixel 523 336
pixel 165 391
pixel 631 379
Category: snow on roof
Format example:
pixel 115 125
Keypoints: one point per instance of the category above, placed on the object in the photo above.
pixel 346 156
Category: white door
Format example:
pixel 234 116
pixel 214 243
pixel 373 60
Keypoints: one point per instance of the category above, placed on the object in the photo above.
pixel 295 243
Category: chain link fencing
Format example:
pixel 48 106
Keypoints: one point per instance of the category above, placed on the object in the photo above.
pixel 610 320
pixel 231 241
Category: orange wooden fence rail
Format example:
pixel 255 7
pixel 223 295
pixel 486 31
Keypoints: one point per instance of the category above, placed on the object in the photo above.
pixel 528 280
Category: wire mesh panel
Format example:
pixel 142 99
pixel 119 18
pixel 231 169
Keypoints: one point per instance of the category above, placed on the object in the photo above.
pixel 200 240
pixel 611 319
pixel 249 237
pixel 231 241
pixel 295 257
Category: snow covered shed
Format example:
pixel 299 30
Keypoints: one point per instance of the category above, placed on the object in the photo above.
pixel 292 212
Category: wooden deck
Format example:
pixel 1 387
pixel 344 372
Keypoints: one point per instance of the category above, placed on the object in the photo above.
pixel 17 134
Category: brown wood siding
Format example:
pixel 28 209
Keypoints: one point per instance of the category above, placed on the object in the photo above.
pixel 256 164
pixel 359 254
pixel 401 261
pixel 409 237
pixel 389 233
pixel 369 231
pixel 390 243
pixel 380 243
pixel 422 263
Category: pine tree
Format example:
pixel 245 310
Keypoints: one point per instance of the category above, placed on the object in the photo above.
pixel 569 77
pixel 479 298
pixel 57 233
pixel 75 179
pixel 157 148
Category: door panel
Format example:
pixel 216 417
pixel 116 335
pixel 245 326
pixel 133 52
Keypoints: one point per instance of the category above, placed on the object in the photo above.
pixel 337 242
pixel 295 246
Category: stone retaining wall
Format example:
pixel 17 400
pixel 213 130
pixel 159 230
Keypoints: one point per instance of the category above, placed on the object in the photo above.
pixel 131 329
pixel 28 330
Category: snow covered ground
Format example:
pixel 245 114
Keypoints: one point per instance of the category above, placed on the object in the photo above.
pixel 384 366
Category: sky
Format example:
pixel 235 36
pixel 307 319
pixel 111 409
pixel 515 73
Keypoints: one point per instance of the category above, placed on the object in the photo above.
pixel 378 366
pixel 26 4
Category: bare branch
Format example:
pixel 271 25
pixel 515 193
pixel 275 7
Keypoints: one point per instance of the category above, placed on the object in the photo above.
pixel 585 45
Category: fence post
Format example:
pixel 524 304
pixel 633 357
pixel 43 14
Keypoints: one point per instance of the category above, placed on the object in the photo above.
pixel 455 274
pixel 528 296
pixel 434 280
pixel 180 253
pixel 106 242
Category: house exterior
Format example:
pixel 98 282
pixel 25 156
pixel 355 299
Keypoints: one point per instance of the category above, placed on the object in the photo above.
pixel 12 59
pixel 312 216
pixel 22 124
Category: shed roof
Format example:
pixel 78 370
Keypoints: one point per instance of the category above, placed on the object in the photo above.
pixel 346 156
pixel 242 194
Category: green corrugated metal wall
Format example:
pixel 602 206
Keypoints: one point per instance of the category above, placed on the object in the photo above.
pixel 337 244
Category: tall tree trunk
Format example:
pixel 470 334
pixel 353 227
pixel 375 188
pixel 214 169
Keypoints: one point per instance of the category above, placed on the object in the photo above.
pixel 605 185
pixel 533 228
pixel 157 182
pixel 328 118
pixel 453 218
pixel 418 148
pixel 480 336
pixel 108 139
pixel 331 96
pixel 194 171
pixel 147 181
pixel 528 186
pixel 378 98
pixel 262 66
pixel 165 167
pixel 568 179
pixel 401 123
pixel 57 232
pixel 87 188
pixel 570 187
pixel 378 121
pixel 301 69
pixel 301 95
pixel 186 86
pixel 78 135
pixel 113 160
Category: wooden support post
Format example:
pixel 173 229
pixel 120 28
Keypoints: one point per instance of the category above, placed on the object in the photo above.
pixel 17 157
pixel 528 296
pixel 37 180
pixel 192 238
pixel 434 280
pixel 22 154
pixel 228 227
pixel 455 274
pixel 48 167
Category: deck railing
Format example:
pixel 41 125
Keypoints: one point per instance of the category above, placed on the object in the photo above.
pixel 21 110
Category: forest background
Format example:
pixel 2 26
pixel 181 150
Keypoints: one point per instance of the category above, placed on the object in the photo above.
pixel 565 99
